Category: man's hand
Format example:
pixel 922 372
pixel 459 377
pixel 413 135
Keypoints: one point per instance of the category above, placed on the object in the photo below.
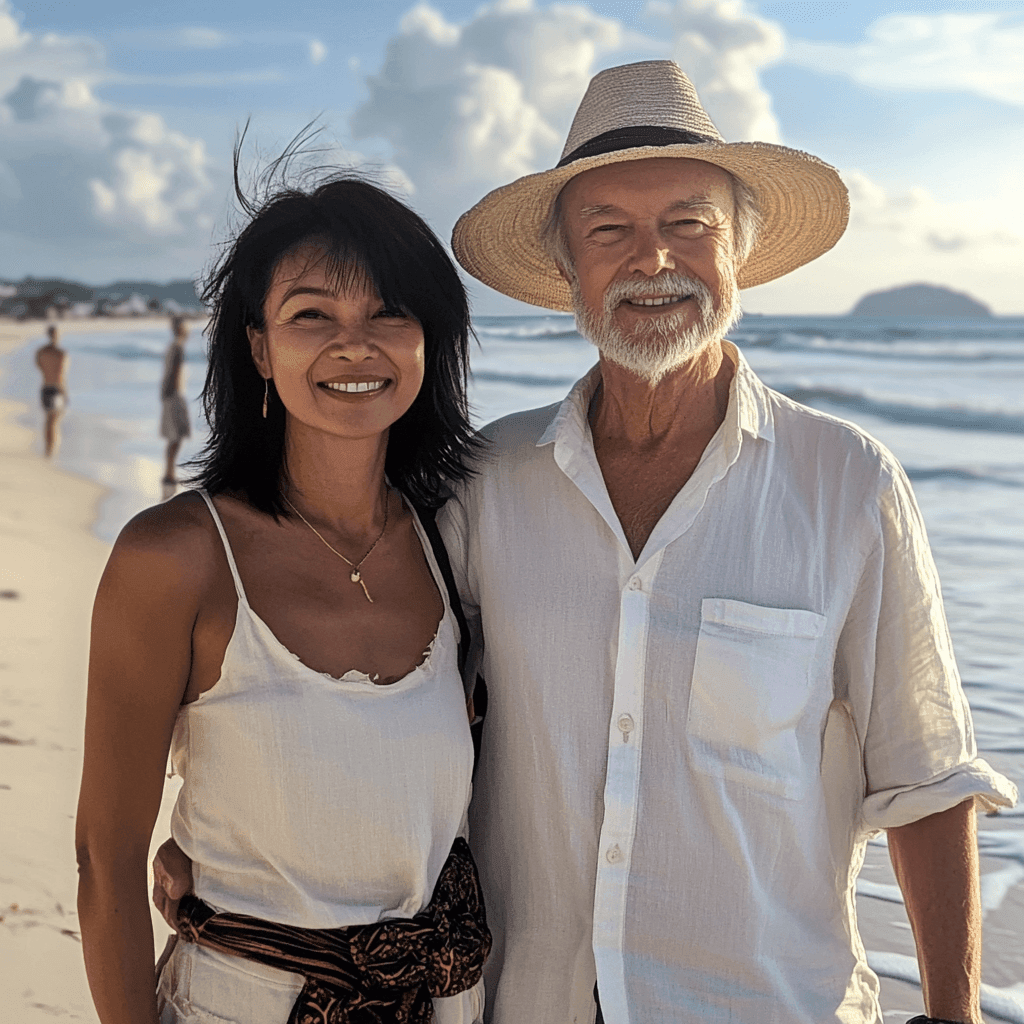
pixel 172 878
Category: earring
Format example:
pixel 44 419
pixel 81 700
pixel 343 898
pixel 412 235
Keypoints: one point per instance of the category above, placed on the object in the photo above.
pixel 266 390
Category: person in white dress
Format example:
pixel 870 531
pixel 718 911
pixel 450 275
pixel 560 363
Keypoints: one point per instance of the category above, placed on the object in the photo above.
pixel 285 632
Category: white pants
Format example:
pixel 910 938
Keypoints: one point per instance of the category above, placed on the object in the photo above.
pixel 199 986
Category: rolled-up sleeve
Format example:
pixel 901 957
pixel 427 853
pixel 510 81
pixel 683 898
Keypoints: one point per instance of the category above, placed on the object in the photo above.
pixel 919 750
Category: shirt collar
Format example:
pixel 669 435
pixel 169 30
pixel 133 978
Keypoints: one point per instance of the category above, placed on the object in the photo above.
pixel 749 411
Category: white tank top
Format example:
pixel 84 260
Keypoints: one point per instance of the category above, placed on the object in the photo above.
pixel 315 801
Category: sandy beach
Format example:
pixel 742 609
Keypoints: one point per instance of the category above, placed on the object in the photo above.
pixel 50 566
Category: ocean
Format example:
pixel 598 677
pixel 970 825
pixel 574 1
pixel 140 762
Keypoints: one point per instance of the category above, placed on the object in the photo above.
pixel 947 397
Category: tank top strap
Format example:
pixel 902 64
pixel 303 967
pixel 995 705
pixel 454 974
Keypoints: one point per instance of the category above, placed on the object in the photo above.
pixel 239 589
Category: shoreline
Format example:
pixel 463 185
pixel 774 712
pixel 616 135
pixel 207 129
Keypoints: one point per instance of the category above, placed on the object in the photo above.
pixel 49 570
pixel 98 442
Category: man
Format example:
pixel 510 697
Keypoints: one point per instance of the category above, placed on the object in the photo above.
pixel 52 361
pixel 174 422
pixel 712 630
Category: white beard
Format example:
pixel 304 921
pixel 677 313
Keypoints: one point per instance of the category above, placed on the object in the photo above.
pixel 660 344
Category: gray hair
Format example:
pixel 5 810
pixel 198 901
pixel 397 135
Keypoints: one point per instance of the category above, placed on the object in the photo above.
pixel 746 225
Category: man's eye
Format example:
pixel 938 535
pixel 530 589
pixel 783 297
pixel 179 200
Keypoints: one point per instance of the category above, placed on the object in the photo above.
pixel 608 227
pixel 387 313
pixel 309 314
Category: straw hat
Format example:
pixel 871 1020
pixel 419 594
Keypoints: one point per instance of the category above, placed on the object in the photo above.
pixel 634 112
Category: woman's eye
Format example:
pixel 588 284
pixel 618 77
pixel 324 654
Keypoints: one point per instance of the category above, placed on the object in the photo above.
pixel 387 313
pixel 309 314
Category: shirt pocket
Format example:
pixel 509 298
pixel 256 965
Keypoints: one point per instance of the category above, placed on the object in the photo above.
pixel 749 695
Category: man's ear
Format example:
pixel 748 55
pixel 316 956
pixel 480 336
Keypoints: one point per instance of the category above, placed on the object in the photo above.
pixel 258 347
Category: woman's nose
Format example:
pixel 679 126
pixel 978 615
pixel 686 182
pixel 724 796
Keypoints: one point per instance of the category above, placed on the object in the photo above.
pixel 351 343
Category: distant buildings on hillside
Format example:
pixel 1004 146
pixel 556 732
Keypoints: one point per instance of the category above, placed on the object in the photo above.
pixel 46 298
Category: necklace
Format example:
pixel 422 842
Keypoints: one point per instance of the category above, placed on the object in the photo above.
pixel 355 576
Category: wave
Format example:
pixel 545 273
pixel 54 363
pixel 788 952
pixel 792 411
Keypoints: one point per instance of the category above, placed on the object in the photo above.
pixel 529 380
pixel 1003 1003
pixel 957 350
pixel 132 353
pixel 951 417
pixel 521 334
pixel 768 330
pixel 967 476
pixel 526 328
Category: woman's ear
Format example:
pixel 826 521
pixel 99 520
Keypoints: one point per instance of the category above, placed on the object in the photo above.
pixel 258 347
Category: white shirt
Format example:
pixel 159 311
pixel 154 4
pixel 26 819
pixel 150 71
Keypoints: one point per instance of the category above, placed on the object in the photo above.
pixel 684 754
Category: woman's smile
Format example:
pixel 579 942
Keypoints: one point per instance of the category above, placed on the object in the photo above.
pixel 354 387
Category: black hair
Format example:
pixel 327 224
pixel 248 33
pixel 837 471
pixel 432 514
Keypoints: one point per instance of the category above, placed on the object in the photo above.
pixel 366 233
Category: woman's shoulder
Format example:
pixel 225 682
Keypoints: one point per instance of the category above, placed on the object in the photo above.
pixel 183 519
pixel 177 536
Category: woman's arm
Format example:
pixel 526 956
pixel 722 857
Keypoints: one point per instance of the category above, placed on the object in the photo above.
pixel 139 664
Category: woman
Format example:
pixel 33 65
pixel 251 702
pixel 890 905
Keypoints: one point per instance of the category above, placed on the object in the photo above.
pixel 285 632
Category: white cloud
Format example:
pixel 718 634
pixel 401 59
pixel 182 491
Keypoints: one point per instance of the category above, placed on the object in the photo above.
pixel 469 107
pixel 317 51
pixel 722 47
pixel 202 79
pixel 972 53
pixel 193 37
pixel 63 57
pixel 76 168
pixel 915 218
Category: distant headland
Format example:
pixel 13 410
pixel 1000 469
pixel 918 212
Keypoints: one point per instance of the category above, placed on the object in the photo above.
pixel 46 297
pixel 921 300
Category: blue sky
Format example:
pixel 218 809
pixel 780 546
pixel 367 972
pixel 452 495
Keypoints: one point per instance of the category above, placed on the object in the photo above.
pixel 117 119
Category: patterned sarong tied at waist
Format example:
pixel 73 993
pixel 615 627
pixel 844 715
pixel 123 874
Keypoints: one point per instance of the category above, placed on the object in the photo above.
pixel 382 973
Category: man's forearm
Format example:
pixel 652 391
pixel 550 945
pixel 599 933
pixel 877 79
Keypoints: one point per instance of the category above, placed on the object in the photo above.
pixel 936 865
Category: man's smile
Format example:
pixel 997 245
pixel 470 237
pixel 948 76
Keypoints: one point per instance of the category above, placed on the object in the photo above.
pixel 661 300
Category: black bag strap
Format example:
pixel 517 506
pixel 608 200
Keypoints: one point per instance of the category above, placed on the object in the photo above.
pixel 428 517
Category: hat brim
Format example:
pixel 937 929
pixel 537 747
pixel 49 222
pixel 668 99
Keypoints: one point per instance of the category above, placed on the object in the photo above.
pixel 803 202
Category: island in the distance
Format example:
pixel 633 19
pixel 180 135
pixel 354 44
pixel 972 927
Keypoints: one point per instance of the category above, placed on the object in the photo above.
pixel 929 300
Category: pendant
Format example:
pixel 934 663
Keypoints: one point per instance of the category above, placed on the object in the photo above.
pixel 355 577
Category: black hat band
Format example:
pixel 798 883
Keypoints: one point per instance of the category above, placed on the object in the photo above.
pixel 633 138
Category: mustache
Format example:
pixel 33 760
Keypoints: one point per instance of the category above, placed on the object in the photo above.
pixel 668 282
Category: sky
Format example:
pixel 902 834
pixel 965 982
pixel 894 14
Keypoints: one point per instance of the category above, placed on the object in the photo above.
pixel 118 120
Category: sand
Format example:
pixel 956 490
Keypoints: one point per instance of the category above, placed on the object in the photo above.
pixel 49 569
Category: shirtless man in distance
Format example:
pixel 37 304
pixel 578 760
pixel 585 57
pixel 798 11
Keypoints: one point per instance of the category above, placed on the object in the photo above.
pixel 52 361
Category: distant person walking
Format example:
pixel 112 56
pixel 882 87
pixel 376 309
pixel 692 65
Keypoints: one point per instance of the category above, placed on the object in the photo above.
pixel 174 423
pixel 52 361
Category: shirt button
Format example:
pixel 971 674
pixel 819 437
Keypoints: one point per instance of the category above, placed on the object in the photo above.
pixel 626 726
pixel 635 583
pixel 614 854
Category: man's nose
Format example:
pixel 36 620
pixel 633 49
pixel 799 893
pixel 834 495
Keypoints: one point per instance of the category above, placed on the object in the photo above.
pixel 650 256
